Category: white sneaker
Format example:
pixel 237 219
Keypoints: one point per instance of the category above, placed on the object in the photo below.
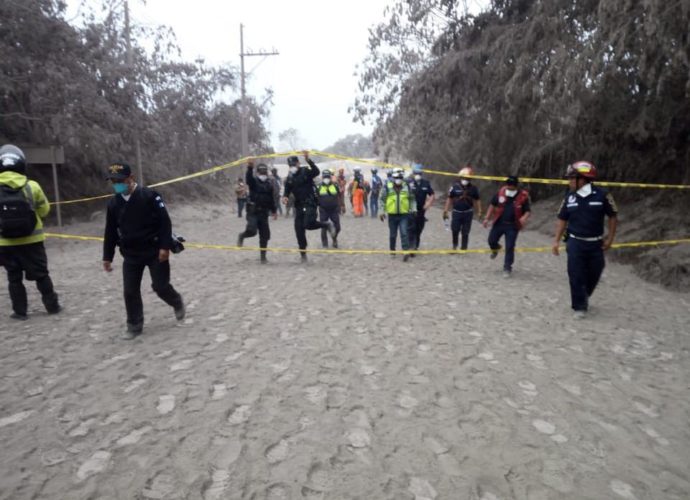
pixel 506 274
pixel 579 314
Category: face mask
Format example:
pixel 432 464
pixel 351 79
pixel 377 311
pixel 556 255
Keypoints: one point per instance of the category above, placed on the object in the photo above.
pixel 262 177
pixel 120 188
pixel 585 190
pixel 465 183
pixel 417 177
pixel 327 181
pixel 511 192
pixel 398 182
pixel 293 170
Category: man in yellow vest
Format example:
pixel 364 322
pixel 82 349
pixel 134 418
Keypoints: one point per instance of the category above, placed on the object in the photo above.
pixel 22 208
pixel 329 206
pixel 396 200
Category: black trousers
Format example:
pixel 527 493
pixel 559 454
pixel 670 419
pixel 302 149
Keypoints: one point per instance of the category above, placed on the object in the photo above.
pixel 461 224
pixel 305 219
pixel 132 273
pixel 326 214
pixel 257 221
pixel 412 230
pixel 420 222
pixel 28 261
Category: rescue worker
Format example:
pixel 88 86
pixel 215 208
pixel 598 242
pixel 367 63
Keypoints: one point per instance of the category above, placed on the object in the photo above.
pixel 582 215
pixel 341 181
pixel 301 185
pixel 261 202
pixel 329 206
pixel 396 201
pixel 357 193
pixel 464 198
pixel 424 196
pixel 138 222
pixel 508 213
pixel 241 194
pixel 376 185
pixel 412 215
pixel 22 251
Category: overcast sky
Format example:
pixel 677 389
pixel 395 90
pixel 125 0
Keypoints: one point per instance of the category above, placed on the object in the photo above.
pixel 320 42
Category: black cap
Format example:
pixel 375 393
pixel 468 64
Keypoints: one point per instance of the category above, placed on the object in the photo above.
pixel 119 171
pixel 293 161
pixel 512 180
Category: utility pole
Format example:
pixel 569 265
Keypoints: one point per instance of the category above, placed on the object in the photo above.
pixel 243 121
pixel 128 61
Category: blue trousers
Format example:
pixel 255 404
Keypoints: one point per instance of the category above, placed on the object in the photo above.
pixel 585 264
pixel 398 223
pixel 461 223
pixel 511 234
pixel 374 204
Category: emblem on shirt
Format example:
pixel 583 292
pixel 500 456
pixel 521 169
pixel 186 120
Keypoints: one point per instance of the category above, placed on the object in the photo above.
pixel 572 199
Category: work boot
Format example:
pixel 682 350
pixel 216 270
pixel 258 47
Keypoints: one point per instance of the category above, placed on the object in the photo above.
pixel 263 258
pixel 133 331
pixel 240 240
pixel 407 257
pixel 20 317
pixel 303 258
pixel 180 312
pixel 506 273
pixel 579 315
pixel 494 252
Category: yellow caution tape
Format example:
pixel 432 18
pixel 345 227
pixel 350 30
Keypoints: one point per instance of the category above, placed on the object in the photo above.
pixel 241 161
pixel 354 251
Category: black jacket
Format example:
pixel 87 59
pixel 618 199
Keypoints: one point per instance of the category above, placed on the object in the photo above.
pixel 137 226
pixel 261 193
pixel 301 185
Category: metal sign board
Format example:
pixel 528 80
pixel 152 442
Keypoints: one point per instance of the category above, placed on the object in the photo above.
pixel 45 155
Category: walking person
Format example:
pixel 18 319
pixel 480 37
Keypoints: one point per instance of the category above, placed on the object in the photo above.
pixel 301 185
pixel 582 215
pixel 278 184
pixel 508 213
pixel 396 200
pixel 23 206
pixel 463 196
pixel 241 194
pixel 261 202
pixel 376 185
pixel 341 181
pixel 138 222
pixel 329 207
pixel 424 198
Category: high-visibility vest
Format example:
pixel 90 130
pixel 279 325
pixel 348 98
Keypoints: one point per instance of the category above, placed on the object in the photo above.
pixel 330 189
pixel 397 202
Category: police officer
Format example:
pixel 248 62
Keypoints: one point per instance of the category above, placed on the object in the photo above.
pixel 278 184
pixel 464 197
pixel 22 208
pixel 508 213
pixel 424 197
pixel 396 201
pixel 329 206
pixel 376 185
pixel 261 202
pixel 138 222
pixel 582 216
pixel 301 185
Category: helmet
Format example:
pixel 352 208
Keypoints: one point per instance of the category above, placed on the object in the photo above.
pixel 12 158
pixel 293 161
pixel 326 173
pixel 417 168
pixel 357 169
pixel 582 169
pixel 374 170
pixel 397 173
pixel 262 168
pixel 465 171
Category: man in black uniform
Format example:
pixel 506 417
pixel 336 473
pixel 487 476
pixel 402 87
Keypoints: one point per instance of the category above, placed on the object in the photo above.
pixel 582 214
pixel 261 202
pixel 464 197
pixel 424 196
pixel 138 222
pixel 301 185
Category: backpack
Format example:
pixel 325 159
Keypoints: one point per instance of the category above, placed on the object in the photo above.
pixel 17 215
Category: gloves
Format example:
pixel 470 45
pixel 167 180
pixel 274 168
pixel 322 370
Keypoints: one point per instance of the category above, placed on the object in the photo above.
pixel 382 217
pixel 445 215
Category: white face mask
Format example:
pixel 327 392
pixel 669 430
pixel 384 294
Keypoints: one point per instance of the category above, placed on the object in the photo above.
pixel 417 177
pixel 465 182
pixel 398 182
pixel 262 177
pixel 585 190
pixel 327 181
pixel 293 170
pixel 511 192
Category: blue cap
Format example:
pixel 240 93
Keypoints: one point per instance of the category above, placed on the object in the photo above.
pixel 417 168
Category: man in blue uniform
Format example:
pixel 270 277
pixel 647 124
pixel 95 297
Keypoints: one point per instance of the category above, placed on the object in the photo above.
pixel 300 184
pixel 261 201
pixel 424 198
pixel 376 185
pixel 464 196
pixel 582 216
pixel 509 210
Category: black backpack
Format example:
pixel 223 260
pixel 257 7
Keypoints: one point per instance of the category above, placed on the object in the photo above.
pixel 17 215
